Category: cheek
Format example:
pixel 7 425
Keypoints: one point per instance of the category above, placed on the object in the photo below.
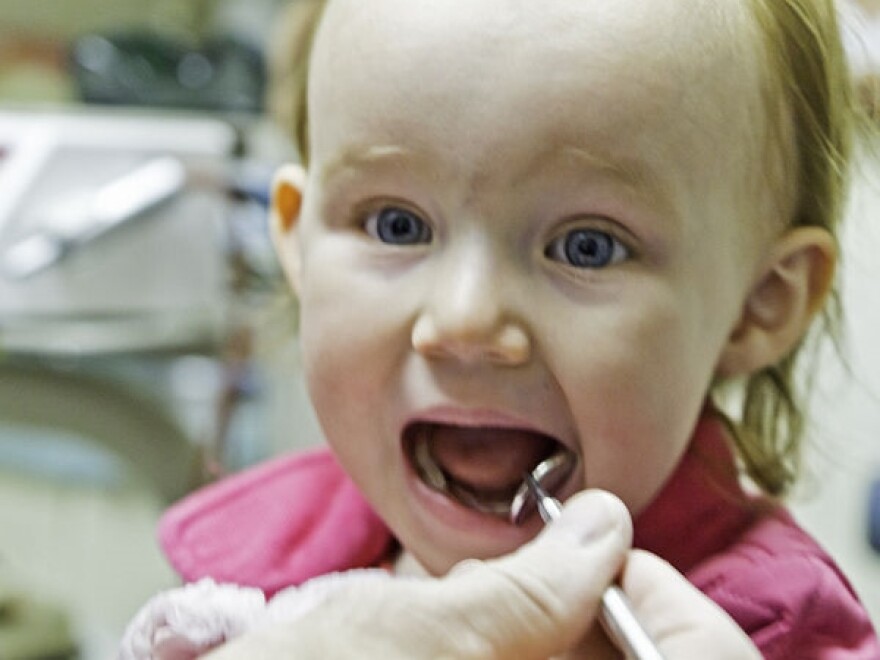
pixel 343 308
pixel 339 361
pixel 354 339
pixel 636 381
pixel 353 335
pixel 342 341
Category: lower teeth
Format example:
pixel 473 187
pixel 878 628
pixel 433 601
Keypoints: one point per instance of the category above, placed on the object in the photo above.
pixel 428 468
pixel 434 476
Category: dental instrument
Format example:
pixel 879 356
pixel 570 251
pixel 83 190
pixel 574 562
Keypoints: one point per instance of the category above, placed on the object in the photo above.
pixel 616 612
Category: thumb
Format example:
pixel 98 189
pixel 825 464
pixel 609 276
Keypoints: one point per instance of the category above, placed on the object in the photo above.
pixel 542 599
pixel 683 621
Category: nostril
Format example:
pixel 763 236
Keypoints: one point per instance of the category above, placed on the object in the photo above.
pixel 505 343
pixel 512 345
pixel 424 335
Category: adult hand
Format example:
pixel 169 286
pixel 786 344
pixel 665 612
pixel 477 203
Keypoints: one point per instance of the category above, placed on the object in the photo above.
pixel 679 617
pixel 539 602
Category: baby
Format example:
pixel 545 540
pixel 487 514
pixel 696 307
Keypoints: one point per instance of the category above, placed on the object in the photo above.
pixel 526 229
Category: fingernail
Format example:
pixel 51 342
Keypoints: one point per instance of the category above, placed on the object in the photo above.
pixel 592 514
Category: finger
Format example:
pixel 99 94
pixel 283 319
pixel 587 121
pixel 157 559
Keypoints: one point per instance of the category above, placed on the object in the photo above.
pixel 679 617
pixel 542 599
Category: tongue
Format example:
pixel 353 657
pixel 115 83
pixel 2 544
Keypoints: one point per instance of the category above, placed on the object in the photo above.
pixel 488 459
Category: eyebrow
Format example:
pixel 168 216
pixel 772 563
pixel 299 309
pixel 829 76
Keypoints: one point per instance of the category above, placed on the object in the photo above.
pixel 637 176
pixel 359 156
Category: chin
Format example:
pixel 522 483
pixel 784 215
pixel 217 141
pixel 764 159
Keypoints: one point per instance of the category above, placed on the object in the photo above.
pixel 439 531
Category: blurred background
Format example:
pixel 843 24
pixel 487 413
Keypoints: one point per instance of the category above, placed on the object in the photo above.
pixel 148 354
pixel 152 348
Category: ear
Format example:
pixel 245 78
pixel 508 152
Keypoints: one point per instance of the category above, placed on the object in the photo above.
pixel 284 214
pixel 791 288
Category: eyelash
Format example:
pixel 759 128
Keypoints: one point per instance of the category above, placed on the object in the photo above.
pixel 586 248
pixel 596 248
pixel 374 226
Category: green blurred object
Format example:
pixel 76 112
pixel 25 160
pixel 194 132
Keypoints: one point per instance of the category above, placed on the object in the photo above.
pixel 31 629
pixel 72 18
pixel 145 68
pixel 35 83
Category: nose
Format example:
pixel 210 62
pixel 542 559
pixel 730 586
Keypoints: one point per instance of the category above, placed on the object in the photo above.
pixel 467 317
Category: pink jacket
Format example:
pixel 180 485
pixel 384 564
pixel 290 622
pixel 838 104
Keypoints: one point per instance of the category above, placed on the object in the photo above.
pixel 299 516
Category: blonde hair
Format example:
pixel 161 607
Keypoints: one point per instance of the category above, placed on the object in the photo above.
pixel 805 69
pixel 807 78
pixel 289 57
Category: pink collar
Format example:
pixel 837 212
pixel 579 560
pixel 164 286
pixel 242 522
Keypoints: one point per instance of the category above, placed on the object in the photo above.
pixel 703 502
pixel 274 525
pixel 299 516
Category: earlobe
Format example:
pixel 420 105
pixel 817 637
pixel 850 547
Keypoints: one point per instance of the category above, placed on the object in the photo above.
pixel 287 189
pixel 284 215
pixel 791 288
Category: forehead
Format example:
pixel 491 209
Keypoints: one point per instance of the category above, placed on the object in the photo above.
pixel 666 79
pixel 615 25
pixel 661 44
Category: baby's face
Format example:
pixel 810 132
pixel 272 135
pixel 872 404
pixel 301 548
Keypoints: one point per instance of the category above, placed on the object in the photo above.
pixel 522 231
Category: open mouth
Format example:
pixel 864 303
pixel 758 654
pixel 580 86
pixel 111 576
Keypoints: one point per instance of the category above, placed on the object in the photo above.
pixel 480 467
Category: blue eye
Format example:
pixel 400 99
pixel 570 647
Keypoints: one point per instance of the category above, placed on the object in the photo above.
pixel 397 226
pixel 587 248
